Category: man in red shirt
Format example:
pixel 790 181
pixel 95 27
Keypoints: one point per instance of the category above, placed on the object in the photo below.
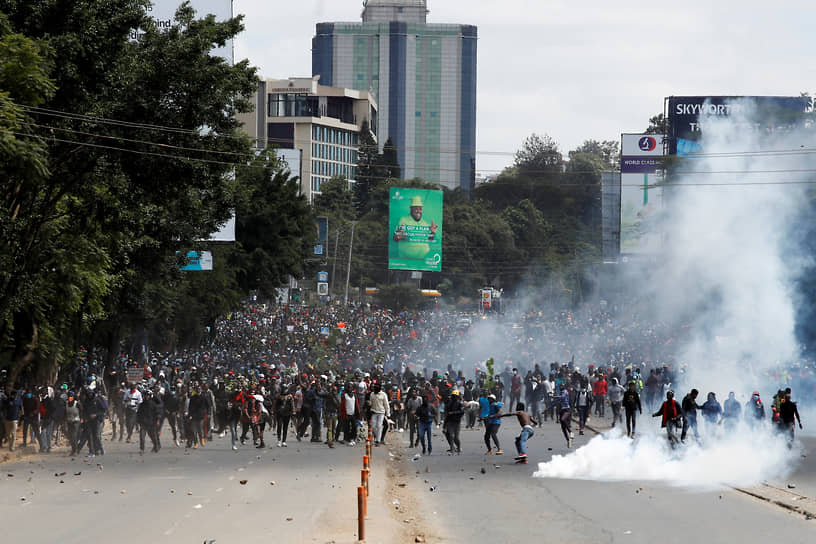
pixel 599 389
pixel 672 413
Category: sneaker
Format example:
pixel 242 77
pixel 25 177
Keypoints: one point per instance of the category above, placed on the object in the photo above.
pixel 581 432
pixel 569 443
pixel 195 446
pixel 351 443
pixel 283 444
pixel 489 452
pixel 499 452
pixel 235 448
pixel 90 455
pixel 177 442
pixel 423 451
pixel 279 443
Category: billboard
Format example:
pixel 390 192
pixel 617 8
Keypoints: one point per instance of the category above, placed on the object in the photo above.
pixel 163 11
pixel 415 230
pixel 683 115
pixel 198 261
pixel 640 200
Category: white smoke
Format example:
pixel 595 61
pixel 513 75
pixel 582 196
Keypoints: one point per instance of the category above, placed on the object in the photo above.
pixel 726 277
pixel 744 458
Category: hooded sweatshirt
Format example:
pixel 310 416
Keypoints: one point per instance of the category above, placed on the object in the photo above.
pixel 615 391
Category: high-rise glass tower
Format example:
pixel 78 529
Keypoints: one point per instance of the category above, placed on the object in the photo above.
pixel 424 79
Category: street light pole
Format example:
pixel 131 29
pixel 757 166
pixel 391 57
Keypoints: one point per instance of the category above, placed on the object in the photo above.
pixel 348 269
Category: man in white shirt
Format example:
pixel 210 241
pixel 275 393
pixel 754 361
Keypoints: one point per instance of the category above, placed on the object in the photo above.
pixel 133 399
pixel 379 411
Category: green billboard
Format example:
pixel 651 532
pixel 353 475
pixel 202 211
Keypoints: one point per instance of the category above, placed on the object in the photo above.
pixel 415 230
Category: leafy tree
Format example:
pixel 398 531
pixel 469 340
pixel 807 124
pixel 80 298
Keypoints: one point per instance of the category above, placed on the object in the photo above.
pixel 389 162
pixel 538 156
pixel 608 151
pixel 274 225
pixel 658 124
pixel 108 215
pixel 367 166
pixel 335 201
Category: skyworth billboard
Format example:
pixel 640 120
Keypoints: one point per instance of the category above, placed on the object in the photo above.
pixel 683 115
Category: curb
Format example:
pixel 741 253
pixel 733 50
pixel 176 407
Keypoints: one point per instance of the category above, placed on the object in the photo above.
pixel 808 511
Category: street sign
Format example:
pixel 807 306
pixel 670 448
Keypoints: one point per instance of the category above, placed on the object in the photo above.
pixel 322 288
pixel 324 331
pixel 323 276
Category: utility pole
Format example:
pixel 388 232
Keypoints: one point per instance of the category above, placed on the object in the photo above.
pixel 348 269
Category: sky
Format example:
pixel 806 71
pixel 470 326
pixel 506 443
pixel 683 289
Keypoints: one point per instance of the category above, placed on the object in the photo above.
pixel 576 70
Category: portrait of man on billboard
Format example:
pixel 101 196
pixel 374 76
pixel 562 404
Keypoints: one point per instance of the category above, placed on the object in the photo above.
pixel 416 235
pixel 413 232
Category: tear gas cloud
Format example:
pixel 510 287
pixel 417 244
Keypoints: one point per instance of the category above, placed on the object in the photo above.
pixel 744 458
pixel 726 276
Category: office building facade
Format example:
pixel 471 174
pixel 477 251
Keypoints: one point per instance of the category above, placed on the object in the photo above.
pixel 323 122
pixel 423 77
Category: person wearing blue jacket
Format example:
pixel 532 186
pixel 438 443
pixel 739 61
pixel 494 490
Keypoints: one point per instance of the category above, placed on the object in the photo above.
pixel 492 425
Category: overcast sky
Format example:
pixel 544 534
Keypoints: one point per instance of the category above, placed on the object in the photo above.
pixel 577 69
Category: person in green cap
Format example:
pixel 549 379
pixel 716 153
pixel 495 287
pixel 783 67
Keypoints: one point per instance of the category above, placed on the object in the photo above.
pixel 413 233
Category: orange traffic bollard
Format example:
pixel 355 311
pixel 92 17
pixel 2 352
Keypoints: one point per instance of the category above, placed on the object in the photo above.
pixel 361 505
pixel 364 484
pixel 365 461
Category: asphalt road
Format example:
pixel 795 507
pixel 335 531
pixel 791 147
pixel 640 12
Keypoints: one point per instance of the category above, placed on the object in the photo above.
pixel 302 493
pixel 478 498
pixel 307 493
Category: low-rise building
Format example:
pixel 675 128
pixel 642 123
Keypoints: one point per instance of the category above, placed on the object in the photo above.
pixel 323 122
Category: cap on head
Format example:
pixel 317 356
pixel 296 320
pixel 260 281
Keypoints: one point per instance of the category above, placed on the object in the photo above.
pixel 416 202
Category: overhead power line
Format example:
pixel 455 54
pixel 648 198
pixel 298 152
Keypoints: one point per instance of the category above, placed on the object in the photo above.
pixel 580 185
pixel 803 150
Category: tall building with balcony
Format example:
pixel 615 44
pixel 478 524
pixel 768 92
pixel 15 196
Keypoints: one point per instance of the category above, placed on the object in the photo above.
pixel 423 76
pixel 323 122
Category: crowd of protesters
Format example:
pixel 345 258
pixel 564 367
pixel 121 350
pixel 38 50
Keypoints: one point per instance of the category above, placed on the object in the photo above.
pixel 269 373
